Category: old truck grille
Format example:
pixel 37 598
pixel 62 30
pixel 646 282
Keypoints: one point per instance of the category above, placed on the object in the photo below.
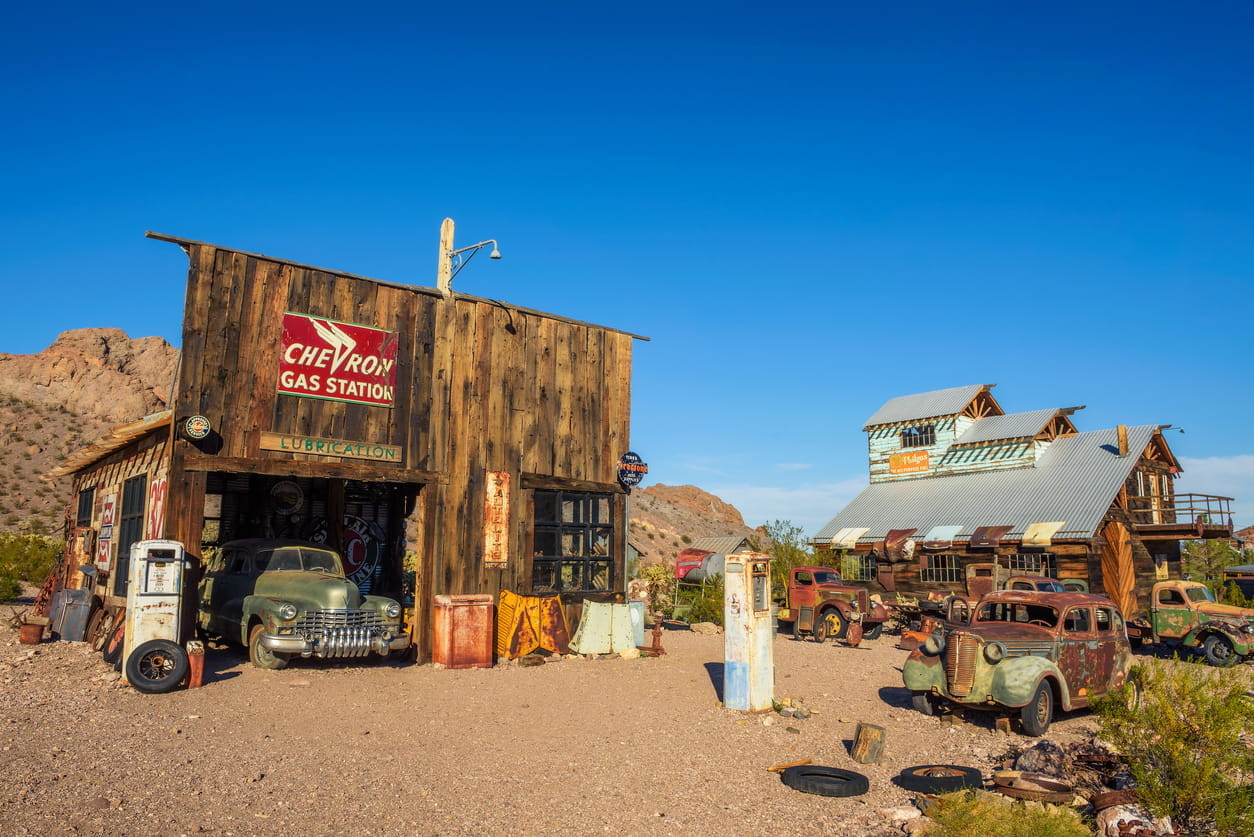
pixel 339 633
pixel 960 653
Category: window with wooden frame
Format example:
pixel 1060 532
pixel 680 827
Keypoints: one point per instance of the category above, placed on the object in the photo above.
pixel 919 436
pixel 940 568
pixel 573 542
pixel 856 566
pixel 1033 563
pixel 130 527
pixel 86 502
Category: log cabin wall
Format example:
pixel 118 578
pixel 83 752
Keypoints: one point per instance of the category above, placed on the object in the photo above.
pixel 480 388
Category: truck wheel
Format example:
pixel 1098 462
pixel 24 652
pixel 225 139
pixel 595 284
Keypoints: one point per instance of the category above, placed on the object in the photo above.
pixel 830 625
pixel 157 666
pixel 259 655
pixel 1219 651
pixel 873 631
pixel 1039 712
pixel 923 702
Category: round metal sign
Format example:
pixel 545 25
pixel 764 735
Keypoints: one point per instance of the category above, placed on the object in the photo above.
pixel 197 427
pixel 631 469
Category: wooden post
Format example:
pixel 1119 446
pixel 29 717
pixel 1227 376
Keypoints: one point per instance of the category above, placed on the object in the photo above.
pixel 868 744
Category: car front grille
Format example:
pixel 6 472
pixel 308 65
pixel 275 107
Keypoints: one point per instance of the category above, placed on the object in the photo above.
pixel 339 633
pixel 960 653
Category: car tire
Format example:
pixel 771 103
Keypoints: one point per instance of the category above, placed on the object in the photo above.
pixel 940 778
pixel 831 624
pixel 111 652
pixel 260 656
pixel 1039 712
pixel 1219 652
pixel 825 781
pixel 873 631
pixel 924 703
pixel 157 666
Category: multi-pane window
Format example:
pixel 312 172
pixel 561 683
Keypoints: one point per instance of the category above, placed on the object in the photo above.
pixel 919 436
pixel 130 527
pixel 573 547
pixel 86 500
pixel 1033 563
pixel 940 568
pixel 858 567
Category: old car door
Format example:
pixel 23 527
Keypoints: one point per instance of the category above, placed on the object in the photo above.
pixel 1173 618
pixel 1078 656
pixel 229 589
pixel 1105 654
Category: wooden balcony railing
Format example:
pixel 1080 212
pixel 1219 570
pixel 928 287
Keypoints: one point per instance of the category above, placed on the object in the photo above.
pixel 1209 515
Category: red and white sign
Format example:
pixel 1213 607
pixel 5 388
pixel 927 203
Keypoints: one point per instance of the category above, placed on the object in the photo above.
pixel 104 543
pixel 496 520
pixel 156 508
pixel 337 361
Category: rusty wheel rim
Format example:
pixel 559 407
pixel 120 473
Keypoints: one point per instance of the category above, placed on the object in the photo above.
pixel 1042 708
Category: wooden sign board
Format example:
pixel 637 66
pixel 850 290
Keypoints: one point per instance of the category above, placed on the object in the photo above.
pixel 319 446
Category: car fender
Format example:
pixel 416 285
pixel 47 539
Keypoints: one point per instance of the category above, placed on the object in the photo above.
pixel 260 607
pixel 924 673
pixel 1015 680
pixel 1242 642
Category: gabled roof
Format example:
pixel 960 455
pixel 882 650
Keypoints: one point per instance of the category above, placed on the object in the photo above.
pixel 942 402
pixel 1074 481
pixel 723 546
pixel 118 438
pixel 1010 426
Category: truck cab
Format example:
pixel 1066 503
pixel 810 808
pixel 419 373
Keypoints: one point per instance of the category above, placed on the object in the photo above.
pixel 1185 612
pixel 817 601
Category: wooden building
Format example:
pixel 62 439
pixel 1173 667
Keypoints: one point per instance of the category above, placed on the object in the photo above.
pixel 962 492
pixel 317 404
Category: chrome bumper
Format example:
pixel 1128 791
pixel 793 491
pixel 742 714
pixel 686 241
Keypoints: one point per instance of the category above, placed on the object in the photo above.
pixel 337 642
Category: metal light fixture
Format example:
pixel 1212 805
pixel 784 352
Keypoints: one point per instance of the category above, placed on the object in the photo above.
pixel 453 260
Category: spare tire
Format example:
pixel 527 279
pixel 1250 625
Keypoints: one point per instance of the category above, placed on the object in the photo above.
pixel 112 650
pixel 940 778
pixel 825 781
pixel 157 666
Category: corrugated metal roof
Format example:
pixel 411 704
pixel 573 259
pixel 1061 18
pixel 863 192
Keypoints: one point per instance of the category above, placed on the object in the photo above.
pixel 1075 480
pixel 118 438
pixel 723 546
pixel 942 402
pixel 1011 426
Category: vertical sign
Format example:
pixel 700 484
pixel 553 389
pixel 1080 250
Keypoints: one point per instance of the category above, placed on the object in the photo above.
pixel 156 508
pixel 104 543
pixel 496 520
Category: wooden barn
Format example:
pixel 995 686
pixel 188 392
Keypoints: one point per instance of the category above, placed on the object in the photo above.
pixel 317 404
pixel 962 493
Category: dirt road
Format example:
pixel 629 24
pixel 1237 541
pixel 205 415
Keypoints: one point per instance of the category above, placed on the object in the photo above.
pixel 626 746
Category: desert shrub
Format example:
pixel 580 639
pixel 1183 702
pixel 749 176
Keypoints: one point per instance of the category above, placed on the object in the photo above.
pixel 28 557
pixel 1186 733
pixel 704 600
pixel 685 538
pixel 1232 595
pixel 10 588
pixel 971 814
pixel 791 549
pixel 661 581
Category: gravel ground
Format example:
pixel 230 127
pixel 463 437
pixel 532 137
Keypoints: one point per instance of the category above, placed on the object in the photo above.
pixel 577 746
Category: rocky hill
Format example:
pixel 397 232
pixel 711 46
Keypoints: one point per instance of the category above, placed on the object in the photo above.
pixel 666 518
pixel 63 398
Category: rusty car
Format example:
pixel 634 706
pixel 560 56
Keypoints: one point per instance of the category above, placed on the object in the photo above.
pixel 1185 613
pixel 1023 650
pixel 282 599
pixel 816 600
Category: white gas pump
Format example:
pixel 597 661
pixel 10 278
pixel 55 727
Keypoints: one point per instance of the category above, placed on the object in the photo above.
pixel 155 661
pixel 749 664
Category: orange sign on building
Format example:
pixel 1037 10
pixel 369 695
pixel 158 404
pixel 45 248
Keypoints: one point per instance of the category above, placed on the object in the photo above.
pixel 914 462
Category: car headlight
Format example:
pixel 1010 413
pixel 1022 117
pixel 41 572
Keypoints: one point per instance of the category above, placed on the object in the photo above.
pixel 393 610
pixel 934 644
pixel 994 652
pixel 287 611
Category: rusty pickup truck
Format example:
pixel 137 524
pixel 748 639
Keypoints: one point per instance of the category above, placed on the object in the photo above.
pixel 818 602
pixel 1185 613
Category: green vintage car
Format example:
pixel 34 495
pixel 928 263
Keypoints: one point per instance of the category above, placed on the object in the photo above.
pixel 1025 650
pixel 286 598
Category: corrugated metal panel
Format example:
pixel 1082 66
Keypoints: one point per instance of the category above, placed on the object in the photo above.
pixel 942 402
pixel 724 546
pixel 1076 480
pixel 118 438
pixel 1012 426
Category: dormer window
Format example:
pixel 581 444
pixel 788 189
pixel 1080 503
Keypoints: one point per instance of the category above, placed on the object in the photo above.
pixel 919 436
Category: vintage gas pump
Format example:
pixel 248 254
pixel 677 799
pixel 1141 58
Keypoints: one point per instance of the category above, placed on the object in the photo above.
pixel 155 661
pixel 749 667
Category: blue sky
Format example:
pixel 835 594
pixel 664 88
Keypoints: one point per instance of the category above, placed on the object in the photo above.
pixel 808 207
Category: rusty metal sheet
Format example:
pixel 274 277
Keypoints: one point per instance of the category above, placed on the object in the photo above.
pixel 525 623
pixel 1041 534
pixel 896 545
pixel 941 537
pixel 988 536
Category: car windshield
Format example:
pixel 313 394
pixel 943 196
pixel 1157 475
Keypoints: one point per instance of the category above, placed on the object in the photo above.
pixel 1021 612
pixel 827 578
pixel 1050 587
pixel 1200 594
pixel 296 558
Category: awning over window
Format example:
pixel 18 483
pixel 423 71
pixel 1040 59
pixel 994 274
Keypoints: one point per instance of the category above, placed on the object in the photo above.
pixel 940 537
pixel 1041 534
pixel 896 545
pixel 989 536
pixel 848 538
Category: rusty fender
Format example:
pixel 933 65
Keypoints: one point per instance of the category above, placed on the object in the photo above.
pixel 924 672
pixel 1016 679
pixel 1242 642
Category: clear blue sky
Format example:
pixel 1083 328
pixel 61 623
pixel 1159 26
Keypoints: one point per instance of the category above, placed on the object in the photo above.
pixel 809 208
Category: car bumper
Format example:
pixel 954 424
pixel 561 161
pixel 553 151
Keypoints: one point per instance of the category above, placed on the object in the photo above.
pixel 347 643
